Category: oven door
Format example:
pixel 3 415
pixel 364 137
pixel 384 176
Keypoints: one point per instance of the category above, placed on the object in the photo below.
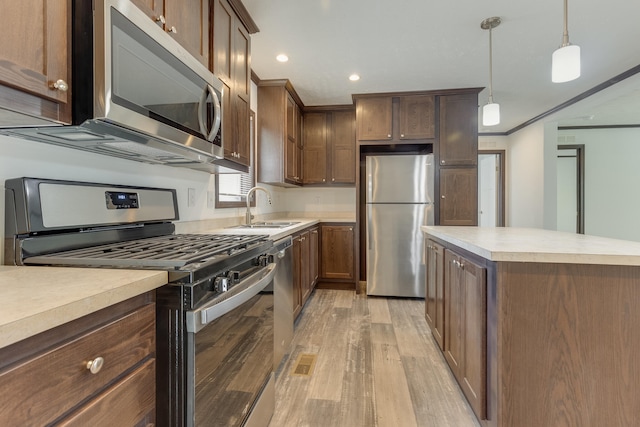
pixel 230 357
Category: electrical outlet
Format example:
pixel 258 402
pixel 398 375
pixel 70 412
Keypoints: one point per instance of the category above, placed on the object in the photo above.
pixel 191 200
pixel 210 199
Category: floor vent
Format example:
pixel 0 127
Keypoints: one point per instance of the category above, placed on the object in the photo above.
pixel 304 365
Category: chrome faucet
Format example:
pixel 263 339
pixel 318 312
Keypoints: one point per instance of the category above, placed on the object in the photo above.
pixel 248 215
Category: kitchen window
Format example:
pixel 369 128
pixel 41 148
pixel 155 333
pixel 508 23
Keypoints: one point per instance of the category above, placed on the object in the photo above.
pixel 232 188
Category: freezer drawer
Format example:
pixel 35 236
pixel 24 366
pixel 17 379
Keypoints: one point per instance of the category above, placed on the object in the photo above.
pixel 395 244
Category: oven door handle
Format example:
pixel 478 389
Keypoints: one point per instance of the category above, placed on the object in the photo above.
pixel 248 288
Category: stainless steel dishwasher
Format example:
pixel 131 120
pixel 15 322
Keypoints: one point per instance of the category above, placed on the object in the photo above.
pixel 283 299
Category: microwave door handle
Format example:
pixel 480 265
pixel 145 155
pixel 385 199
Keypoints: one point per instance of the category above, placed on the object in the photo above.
pixel 209 134
pixel 218 112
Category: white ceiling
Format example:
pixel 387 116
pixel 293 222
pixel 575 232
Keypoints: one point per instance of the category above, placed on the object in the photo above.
pixel 407 45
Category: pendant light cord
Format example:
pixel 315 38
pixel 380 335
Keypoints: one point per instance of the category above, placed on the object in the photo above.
pixel 565 34
pixel 490 66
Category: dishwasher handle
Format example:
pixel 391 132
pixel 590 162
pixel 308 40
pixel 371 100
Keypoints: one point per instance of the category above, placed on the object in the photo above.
pixel 251 286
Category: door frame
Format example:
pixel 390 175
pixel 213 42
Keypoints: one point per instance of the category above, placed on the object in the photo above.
pixel 501 183
pixel 580 182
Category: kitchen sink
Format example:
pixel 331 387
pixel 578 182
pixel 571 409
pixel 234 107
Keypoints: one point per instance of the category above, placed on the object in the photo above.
pixel 267 224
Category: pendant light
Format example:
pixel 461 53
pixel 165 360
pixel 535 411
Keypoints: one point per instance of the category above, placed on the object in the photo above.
pixel 491 111
pixel 565 62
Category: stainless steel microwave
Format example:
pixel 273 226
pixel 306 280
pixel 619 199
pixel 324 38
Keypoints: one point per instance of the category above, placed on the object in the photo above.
pixel 136 93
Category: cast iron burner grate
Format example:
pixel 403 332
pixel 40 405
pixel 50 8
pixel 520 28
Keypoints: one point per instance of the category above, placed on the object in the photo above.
pixel 168 252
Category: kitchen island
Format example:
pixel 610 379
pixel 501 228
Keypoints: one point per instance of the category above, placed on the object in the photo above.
pixel 538 326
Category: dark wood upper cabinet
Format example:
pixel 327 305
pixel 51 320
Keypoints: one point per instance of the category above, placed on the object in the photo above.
pixel 315 148
pixel 458 130
pixel 329 146
pixel 35 58
pixel 231 63
pixel 395 117
pixel 186 20
pixel 417 117
pixel 374 118
pixel 279 134
pixel 343 147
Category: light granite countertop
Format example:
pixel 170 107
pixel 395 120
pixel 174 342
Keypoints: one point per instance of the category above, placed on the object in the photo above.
pixel 278 233
pixel 35 299
pixel 538 245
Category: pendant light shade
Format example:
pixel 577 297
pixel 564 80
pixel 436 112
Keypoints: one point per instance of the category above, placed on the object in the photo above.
pixel 491 114
pixel 491 111
pixel 565 62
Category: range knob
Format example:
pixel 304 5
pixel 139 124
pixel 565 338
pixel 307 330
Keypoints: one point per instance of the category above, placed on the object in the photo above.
pixel 233 277
pixel 221 284
pixel 264 260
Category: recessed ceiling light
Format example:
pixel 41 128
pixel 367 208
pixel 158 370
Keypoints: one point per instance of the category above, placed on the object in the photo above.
pixel 354 77
pixel 282 58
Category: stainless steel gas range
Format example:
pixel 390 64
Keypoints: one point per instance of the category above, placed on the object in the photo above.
pixel 214 318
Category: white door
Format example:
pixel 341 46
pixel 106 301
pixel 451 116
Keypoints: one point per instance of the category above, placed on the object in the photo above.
pixel 488 182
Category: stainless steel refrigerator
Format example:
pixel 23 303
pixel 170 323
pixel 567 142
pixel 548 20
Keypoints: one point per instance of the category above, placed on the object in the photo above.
pixel 399 201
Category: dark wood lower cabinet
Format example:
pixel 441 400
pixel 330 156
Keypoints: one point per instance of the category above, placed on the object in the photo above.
pixel 337 260
pixel 465 348
pixel 459 196
pixel 46 379
pixel 434 300
pixel 126 403
pixel 540 344
pixel 305 266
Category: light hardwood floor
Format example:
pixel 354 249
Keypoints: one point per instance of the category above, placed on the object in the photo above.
pixel 377 366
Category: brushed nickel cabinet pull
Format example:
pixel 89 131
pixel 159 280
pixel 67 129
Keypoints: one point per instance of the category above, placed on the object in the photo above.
pixel 60 85
pixel 95 365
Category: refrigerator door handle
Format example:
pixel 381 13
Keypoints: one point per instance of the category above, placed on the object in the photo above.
pixel 369 226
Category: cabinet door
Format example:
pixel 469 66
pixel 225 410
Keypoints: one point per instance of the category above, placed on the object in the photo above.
pixel 231 62
pixel 223 23
pixel 374 117
pixel 454 314
pixel 305 266
pixel 458 141
pixel 434 301
pixel 417 117
pixel 188 22
pixel 293 154
pixel 343 147
pixel 458 196
pixel 465 346
pixel 315 148
pixel 337 260
pixel 153 8
pixel 299 143
pixel 297 275
pixel 314 268
pixel 35 58
pixel 241 92
pixel 474 367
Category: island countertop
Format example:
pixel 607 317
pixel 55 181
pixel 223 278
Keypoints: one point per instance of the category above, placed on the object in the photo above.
pixel 35 299
pixel 538 245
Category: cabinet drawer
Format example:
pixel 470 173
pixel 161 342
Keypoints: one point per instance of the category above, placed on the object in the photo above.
pixel 133 396
pixel 40 390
